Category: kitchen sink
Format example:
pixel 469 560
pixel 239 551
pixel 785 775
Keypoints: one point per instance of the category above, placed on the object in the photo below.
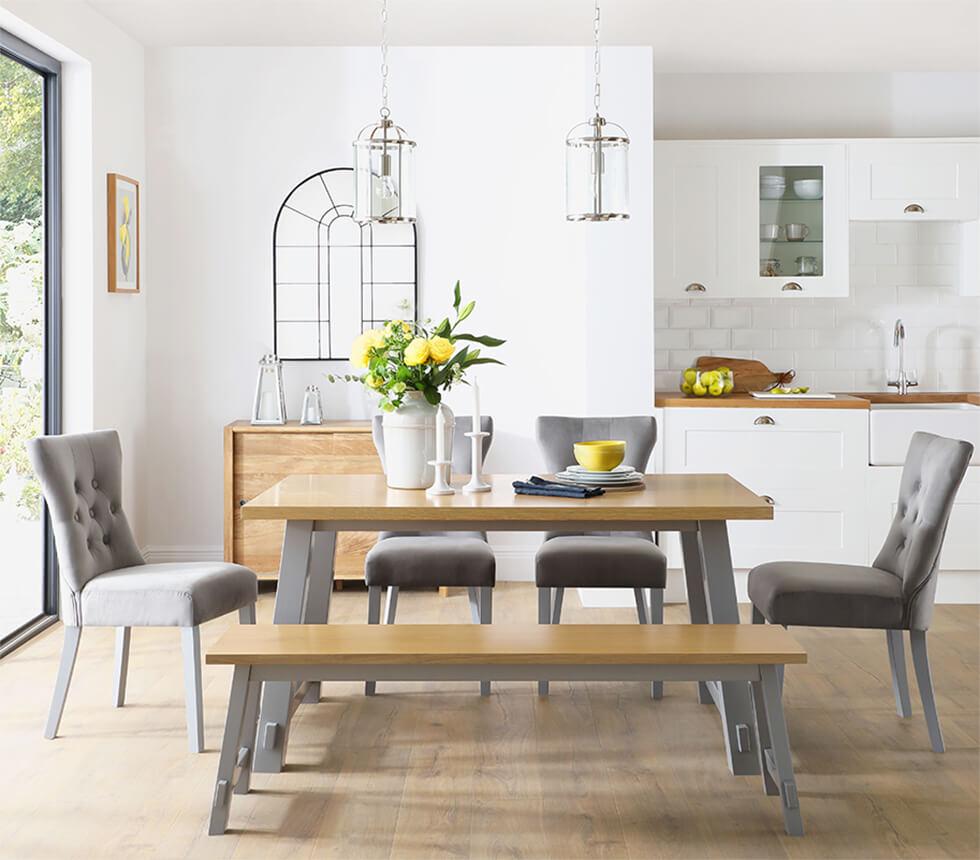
pixel 892 426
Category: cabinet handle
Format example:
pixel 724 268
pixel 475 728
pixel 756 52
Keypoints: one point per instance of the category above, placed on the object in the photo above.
pixel 792 287
pixel 763 419
pixel 913 207
pixel 695 288
pixel 242 502
pixel 769 500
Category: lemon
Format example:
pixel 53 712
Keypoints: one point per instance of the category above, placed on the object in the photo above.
pixel 699 389
pixel 725 370
pixel 804 389
pixel 686 387
pixel 709 378
pixel 715 389
pixel 729 386
pixel 690 376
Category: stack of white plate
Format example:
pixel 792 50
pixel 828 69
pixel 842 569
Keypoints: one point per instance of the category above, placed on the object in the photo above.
pixel 772 186
pixel 621 476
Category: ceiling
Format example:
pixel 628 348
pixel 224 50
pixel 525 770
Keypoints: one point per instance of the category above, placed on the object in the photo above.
pixel 687 35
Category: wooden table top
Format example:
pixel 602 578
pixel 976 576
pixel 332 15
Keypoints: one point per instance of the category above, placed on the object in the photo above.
pixel 353 498
pixel 339 644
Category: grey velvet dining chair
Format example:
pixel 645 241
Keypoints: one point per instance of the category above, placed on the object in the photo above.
pixel 897 592
pixel 105 582
pixel 433 559
pixel 598 559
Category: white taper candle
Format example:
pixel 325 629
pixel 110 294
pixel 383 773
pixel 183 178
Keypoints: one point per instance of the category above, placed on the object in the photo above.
pixel 476 407
pixel 440 435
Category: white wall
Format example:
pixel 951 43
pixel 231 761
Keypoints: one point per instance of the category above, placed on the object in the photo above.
pixel 230 131
pixel 103 131
pixel 727 106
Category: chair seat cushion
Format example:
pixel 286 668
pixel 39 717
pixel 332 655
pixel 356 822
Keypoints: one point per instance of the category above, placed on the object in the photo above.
pixel 166 595
pixel 813 594
pixel 458 559
pixel 594 561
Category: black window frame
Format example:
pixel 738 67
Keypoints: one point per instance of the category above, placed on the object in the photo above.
pixel 49 69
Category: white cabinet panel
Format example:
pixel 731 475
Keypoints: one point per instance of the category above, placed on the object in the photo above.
pixel 895 179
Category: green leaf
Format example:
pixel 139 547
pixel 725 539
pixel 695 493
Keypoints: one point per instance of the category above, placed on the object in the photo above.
pixel 457 297
pixel 465 312
pixel 432 395
pixel 485 361
pixel 442 374
pixel 443 329
pixel 484 339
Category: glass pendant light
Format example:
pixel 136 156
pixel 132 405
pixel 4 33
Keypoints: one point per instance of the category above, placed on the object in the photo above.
pixel 384 160
pixel 596 162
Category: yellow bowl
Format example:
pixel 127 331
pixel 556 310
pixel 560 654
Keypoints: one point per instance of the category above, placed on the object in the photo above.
pixel 602 455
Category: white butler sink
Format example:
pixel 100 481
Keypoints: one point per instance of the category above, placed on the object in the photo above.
pixel 892 426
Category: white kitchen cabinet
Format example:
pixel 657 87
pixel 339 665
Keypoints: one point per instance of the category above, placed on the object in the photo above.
pixel 695 210
pixel 961 548
pixel 731 219
pixel 812 463
pixel 914 180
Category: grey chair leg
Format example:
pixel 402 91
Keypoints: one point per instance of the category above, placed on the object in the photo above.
pixel 486 617
pixel 374 617
pixel 900 680
pixel 656 617
pixel 920 659
pixel 69 652
pixel 558 603
pixel 391 604
pixel 121 667
pixel 544 617
pixel 757 616
pixel 191 646
pixel 474 596
pixel 641 605
pixel 246 615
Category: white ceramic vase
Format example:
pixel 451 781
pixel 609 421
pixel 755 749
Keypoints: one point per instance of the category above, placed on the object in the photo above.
pixel 410 442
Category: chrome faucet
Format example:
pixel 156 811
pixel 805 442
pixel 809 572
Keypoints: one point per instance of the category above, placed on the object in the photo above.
pixel 905 380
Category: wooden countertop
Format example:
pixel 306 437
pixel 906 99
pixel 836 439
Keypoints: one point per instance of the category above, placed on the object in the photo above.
pixel 245 426
pixel 367 499
pixel 914 397
pixel 503 644
pixel 736 401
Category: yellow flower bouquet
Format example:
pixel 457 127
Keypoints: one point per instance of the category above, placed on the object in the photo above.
pixel 403 356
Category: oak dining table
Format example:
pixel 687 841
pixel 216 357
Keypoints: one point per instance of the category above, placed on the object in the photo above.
pixel 316 507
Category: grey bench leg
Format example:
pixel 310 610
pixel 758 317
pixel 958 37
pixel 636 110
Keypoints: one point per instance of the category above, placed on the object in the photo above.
pixel 900 680
pixel 920 659
pixel 228 758
pixel 544 617
pixel 121 668
pixel 763 741
pixel 69 652
pixel 374 617
pixel 486 617
pixel 656 617
pixel 246 742
pixel 694 578
pixel 191 646
pixel 782 757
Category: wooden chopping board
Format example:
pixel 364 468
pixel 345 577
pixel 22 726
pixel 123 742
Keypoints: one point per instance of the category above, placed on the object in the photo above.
pixel 750 375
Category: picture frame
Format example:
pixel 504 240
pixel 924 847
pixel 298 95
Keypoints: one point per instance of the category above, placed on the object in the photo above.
pixel 123 222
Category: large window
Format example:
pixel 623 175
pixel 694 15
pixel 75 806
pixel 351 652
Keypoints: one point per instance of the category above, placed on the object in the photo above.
pixel 29 327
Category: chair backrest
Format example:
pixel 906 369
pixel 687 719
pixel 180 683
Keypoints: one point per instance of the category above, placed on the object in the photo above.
pixel 934 468
pixel 81 479
pixel 557 434
pixel 462 452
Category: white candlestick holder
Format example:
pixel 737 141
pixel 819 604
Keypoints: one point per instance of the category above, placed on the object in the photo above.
pixel 476 483
pixel 441 486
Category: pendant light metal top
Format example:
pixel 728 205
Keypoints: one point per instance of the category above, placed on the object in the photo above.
pixel 597 162
pixel 384 160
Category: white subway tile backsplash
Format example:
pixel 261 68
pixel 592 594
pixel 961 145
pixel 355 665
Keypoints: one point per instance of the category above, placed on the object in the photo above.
pixel 899 270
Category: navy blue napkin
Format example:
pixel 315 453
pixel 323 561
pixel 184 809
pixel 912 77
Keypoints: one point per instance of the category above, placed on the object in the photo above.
pixel 536 486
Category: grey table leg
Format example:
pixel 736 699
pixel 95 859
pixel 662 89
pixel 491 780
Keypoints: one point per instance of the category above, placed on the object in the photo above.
pixel 319 587
pixel 733 701
pixel 221 801
pixel 544 617
pixel 694 576
pixel 270 747
pixel 780 751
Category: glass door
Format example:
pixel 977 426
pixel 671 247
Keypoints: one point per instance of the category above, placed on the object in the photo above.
pixel 791 221
pixel 29 326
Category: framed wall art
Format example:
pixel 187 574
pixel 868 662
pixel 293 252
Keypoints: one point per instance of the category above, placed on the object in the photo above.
pixel 123 211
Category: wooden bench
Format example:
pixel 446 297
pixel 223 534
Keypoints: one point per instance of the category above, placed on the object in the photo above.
pixel 460 652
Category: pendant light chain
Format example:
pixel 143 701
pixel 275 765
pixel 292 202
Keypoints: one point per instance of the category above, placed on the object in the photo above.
pixel 385 113
pixel 595 35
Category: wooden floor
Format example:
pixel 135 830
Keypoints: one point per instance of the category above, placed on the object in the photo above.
pixel 436 771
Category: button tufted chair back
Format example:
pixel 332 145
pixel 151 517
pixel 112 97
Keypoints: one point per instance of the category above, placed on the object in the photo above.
pixel 557 434
pixel 81 478
pixel 934 468
pixel 462 447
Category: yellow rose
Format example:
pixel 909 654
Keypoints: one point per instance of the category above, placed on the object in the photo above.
pixel 360 351
pixel 440 349
pixel 375 337
pixel 417 352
